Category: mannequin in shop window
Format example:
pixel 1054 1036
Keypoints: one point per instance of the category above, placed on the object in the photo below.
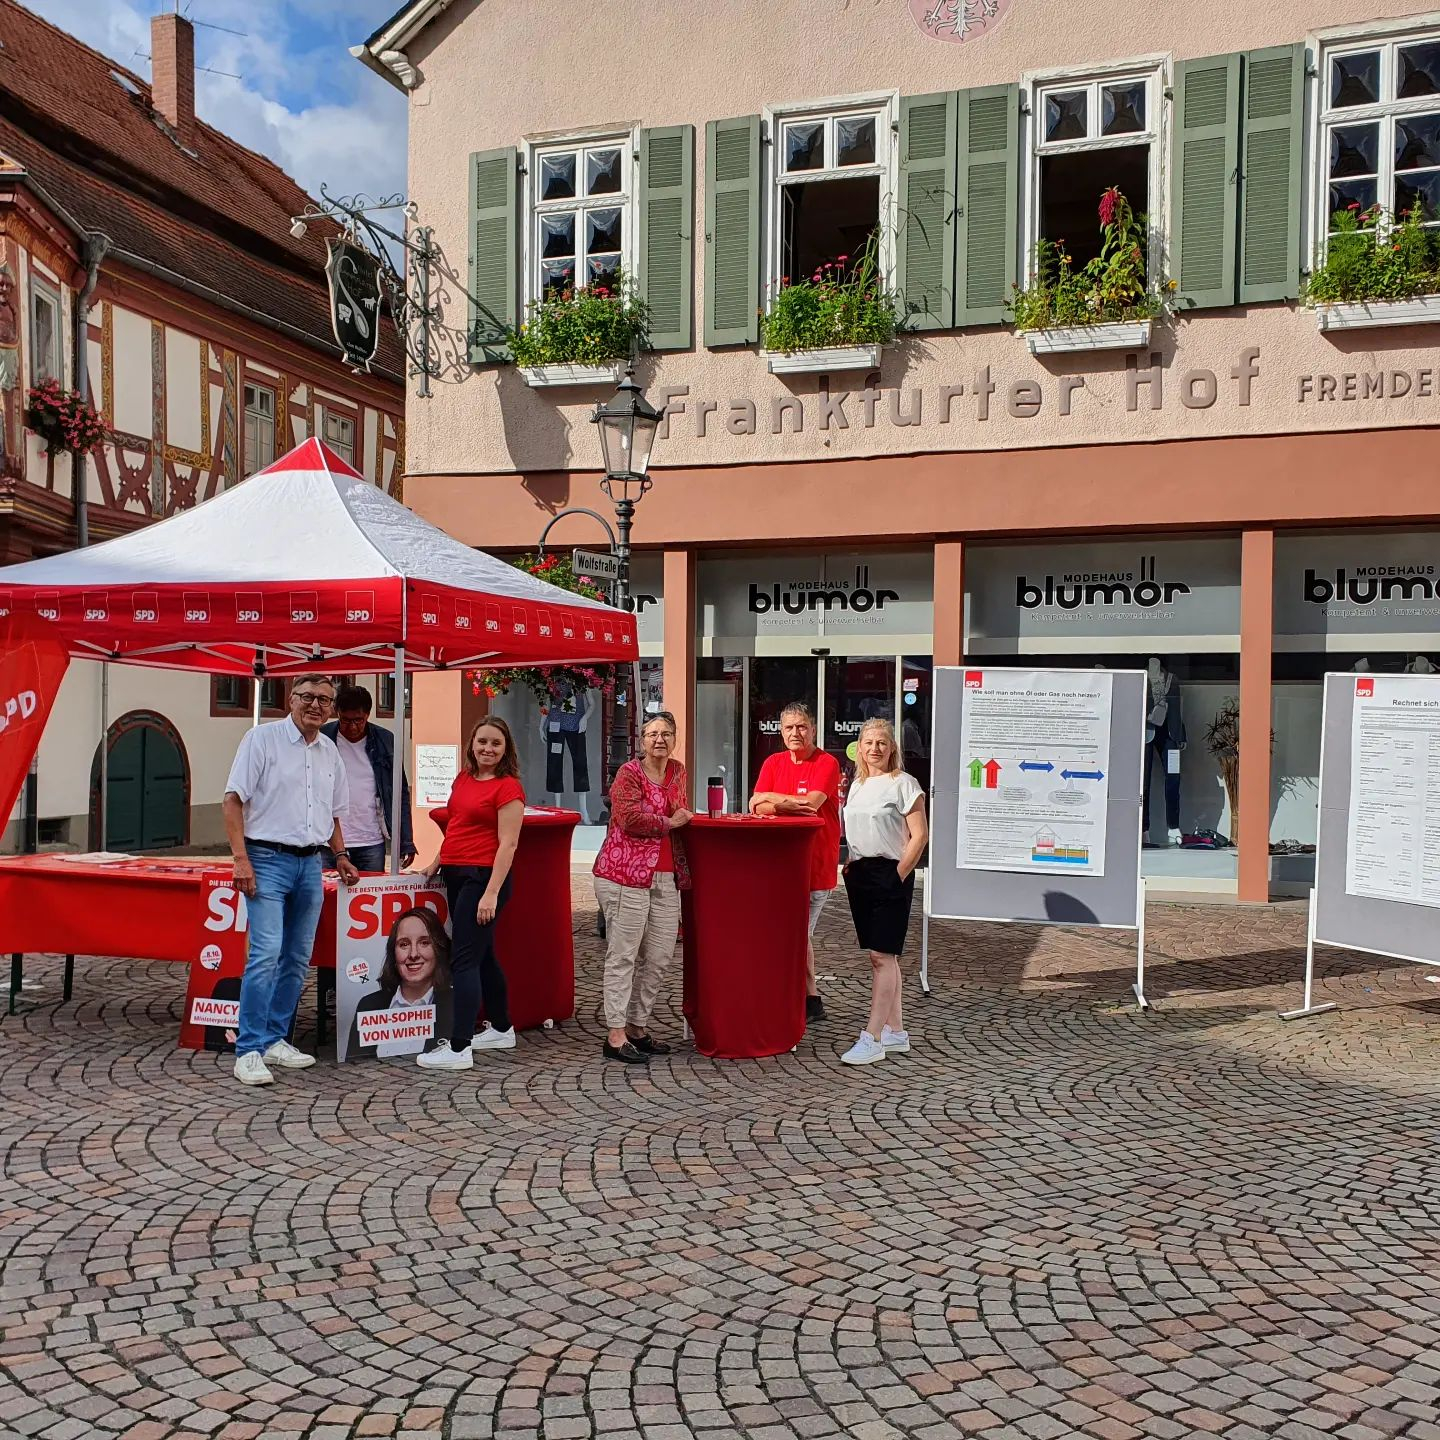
pixel 1164 740
pixel 563 728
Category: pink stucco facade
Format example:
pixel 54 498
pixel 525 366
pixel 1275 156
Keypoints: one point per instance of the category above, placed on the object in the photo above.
pixel 1247 422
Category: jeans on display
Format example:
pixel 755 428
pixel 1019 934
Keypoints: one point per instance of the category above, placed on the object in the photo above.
pixel 284 913
pixel 1157 752
pixel 367 859
pixel 574 742
pixel 475 973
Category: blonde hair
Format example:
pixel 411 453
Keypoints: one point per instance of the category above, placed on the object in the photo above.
pixel 862 768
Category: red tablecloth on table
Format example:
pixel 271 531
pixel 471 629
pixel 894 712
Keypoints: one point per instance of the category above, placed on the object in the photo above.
pixel 129 909
pixel 746 919
pixel 535 940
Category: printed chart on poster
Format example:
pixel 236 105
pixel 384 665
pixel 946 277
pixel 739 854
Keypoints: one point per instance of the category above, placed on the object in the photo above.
pixel 1393 829
pixel 1034 763
pixel 392 968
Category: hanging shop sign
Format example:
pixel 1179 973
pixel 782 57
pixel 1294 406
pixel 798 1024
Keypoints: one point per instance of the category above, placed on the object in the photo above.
pixel 1343 591
pixel 354 276
pixel 1117 596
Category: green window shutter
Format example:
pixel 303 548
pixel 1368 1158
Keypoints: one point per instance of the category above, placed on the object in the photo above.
pixel 1206 167
pixel 732 231
pixel 667 226
pixel 988 151
pixel 494 251
pixel 1270 174
pixel 924 235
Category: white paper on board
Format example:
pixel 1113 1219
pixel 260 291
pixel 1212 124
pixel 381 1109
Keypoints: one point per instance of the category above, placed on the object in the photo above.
pixel 1034 771
pixel 1393 849
pixel 435 769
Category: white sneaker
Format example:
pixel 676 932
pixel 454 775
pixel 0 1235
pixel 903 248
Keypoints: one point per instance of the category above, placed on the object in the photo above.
pixel 895 1042
pixel 442 1057
pixel 250 1069
pixel 1174 837
pixel 492 1039
pixel 284 1054
pixel 865 1051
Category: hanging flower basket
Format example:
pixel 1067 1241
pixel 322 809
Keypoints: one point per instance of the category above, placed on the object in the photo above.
pixel 62 420
pixel 549 684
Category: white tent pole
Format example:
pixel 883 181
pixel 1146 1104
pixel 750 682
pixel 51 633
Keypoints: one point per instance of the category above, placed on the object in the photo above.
pixel 104 807
pixel 397 824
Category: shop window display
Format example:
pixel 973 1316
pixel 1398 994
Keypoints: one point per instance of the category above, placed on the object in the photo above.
pixel 1297 705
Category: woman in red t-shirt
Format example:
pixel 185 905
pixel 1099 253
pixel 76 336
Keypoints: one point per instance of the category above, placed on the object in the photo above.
pixel 482 828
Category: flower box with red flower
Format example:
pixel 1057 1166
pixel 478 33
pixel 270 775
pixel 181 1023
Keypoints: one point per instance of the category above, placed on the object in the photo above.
pixel 1115 335
pixel 540 377
pixel 820 362
pixel 1373 314
pixel 63 420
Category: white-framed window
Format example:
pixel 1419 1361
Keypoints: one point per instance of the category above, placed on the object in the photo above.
pixel 581 222
pixel 832 191
pixel 338 432
pixel 47 349
pixel 1378 116
pixel 1087 132
pixel 259 428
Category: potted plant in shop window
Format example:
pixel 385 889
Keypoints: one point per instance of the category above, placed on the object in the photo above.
pixel 580 337
pixel 1376 270
pixel 839 318
pixel 547 683
pixel 1107 304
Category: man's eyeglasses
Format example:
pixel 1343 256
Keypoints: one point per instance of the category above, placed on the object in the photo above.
pixel 308 697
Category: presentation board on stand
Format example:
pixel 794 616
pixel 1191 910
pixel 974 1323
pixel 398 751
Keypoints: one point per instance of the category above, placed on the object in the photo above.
pixel 1036 800
pixel 1377 853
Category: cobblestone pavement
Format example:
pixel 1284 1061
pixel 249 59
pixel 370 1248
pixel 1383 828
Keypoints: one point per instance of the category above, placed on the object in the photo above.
pixel 1055 1217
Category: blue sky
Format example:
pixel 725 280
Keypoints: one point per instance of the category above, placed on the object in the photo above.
pixel 301 98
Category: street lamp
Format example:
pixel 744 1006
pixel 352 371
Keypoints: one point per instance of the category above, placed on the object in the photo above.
pixel 628 423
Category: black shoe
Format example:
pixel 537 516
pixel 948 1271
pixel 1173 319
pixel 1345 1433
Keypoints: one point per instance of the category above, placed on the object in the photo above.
pixel 648 1045
pixel 814 1008
pixel 626 1054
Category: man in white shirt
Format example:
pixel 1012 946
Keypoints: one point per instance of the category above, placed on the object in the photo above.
pixel 283 801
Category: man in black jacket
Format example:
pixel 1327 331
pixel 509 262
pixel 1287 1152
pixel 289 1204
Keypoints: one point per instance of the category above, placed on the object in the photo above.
pixel 368 754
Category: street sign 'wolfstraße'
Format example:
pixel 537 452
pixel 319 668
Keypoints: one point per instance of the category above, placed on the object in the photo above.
pixel 596 565
pixel 354 276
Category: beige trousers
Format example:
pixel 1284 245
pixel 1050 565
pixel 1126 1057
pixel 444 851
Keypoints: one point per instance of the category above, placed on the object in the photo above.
pixel 640 931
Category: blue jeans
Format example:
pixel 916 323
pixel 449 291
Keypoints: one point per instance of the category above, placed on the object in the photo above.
pixel 367 859
pixel 284 913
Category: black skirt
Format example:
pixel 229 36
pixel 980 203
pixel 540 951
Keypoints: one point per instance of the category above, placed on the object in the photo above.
pixel 879 903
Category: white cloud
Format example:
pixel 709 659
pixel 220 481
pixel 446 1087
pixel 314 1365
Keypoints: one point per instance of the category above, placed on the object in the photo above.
pixel 301 100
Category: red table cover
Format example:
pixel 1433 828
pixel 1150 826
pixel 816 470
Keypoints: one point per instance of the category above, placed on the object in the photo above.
pixel 746 919
pixel 535 940
pixel 128 909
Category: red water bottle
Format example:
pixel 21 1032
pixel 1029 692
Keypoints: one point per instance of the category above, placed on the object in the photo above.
pixel 715 796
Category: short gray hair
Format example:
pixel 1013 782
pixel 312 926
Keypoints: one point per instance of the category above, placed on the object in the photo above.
pixel 315 680
pixel 800 708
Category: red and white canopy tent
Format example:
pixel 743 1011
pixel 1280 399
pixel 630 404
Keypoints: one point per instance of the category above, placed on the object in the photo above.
pixel 307 565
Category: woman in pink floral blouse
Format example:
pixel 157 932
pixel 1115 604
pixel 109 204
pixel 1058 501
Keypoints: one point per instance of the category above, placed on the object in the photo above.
pixel 639 874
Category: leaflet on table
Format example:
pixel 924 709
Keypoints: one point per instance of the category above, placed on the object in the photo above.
pixel 392 974
pixel 1034 767
pixel 1393 850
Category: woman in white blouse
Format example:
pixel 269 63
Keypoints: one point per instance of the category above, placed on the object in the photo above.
pixel 886 831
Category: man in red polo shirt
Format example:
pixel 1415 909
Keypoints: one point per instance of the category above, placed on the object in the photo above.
pixel 801 780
